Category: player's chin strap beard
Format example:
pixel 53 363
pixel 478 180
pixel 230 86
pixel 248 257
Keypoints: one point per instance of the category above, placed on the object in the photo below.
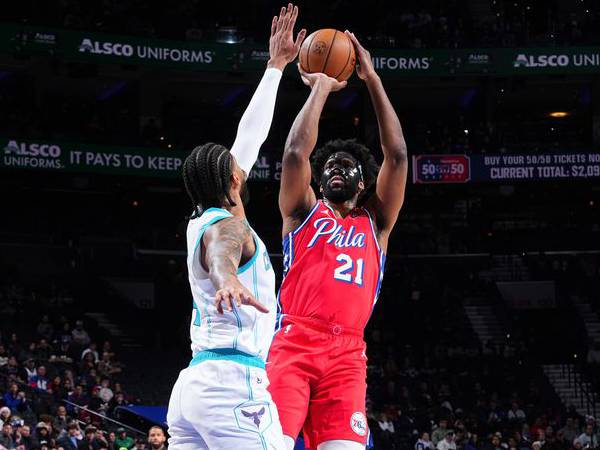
pixel 352 177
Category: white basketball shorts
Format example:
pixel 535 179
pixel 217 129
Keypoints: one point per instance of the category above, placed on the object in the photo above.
pixel 223 405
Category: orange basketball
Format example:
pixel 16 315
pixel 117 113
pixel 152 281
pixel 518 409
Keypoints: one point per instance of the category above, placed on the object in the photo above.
pixel 328 51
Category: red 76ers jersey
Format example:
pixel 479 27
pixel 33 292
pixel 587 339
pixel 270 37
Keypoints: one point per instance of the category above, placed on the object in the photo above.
pixel 333 268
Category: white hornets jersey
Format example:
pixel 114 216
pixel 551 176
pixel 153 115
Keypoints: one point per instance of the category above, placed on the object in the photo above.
pixel 245 329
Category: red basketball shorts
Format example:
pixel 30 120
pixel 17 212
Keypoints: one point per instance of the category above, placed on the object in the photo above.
pixel 317 372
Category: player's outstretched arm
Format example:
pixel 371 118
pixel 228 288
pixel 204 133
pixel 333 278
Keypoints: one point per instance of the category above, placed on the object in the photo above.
pixel 296 196
pixel 391 181
pixel 223 244
pixel 255 123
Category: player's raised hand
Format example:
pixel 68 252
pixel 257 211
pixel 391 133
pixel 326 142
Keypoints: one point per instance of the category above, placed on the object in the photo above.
pixel 283 48
pixel 364 68
pixel 322 80
pixel 235 293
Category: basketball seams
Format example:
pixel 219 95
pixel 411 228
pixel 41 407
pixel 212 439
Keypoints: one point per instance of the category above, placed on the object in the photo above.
pixel 312 40
pixel 329 50
pixel 347 59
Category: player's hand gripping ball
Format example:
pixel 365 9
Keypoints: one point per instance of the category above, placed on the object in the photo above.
pixel 330 52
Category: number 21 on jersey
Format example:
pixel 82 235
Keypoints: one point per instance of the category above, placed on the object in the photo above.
pixel 346 272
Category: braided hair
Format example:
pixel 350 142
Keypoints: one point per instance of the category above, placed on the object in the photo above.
pixel 207 177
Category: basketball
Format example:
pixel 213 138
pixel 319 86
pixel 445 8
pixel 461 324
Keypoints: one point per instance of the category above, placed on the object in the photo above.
pixel 328 51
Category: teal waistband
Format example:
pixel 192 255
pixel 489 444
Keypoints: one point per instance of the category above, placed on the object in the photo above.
pixel 227 354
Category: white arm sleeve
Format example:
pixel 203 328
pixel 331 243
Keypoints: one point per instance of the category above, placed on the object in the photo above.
pixel 256 122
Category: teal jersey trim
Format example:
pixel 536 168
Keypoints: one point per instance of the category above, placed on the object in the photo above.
pixel 227 354
pixel 257 297
pixel 253 259
pixel 225 215
pixel 236 313
pixel 198 316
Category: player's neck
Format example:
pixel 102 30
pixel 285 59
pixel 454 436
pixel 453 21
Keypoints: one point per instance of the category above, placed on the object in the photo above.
pixel 237 210
pixel 342 209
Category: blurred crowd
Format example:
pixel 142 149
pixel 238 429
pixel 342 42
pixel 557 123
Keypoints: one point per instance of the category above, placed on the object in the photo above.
pixel 59 389
pixel 467 397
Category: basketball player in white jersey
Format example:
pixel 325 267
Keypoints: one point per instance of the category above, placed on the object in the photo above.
pixel 221 400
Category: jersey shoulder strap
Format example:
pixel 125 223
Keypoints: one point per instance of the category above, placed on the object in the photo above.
pixel 195 230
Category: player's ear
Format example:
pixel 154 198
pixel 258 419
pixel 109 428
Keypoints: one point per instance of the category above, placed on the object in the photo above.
pixel 236 179
pixel 361 186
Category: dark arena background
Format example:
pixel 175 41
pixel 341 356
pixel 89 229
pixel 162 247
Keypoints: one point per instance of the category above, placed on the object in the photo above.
pixel 488 323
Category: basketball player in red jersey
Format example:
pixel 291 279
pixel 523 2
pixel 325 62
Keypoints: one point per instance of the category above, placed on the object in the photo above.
pixel 334 257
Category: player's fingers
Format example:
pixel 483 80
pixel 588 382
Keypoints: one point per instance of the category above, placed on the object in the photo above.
pixel 259 306
pixel 273 26
pixel 228 302
pixel 299 39
pixel 359 48
pixel 292 20
pixel 238 298
pixel 340 85
pixel 218 305
pixel 357 43
pixel 280 18
pixel 286 22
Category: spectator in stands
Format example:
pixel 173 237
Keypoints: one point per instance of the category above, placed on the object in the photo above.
pixel 3 356
pixel 57 389
pixel 440 432
pixel 88 363
pixel 96 404
pixel 448 443
pixel 472 443
pixel 5 414
pixel 23 437
pixel 107 348
pixel 117 400
pixel 157 438
pixel 78 397
pixel 30 370
pixel 42 432
pixel 12 370
pixel 65 335
pixel 424 443
pixel 93 349
pixel 80 336
pixel 106 367
pixel 139 444
pixel 516 414
pixel 45 329
pixel 12 399
pixel 6 439
pixel 90 440
pixel 571 429
pixel 61 420
pixel 106 393
pixel 43 350
pixel 112 438
pixel 576 444
pixel 71 440
pixel 589 438
pixel 386 431
pixel 62 354
pixel 40 381
pixel 122 440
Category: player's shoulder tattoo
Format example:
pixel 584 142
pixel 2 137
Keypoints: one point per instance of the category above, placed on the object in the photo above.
pixel 234 228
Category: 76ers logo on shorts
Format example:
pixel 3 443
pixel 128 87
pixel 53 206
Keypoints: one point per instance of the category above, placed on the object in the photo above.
pixel 358 423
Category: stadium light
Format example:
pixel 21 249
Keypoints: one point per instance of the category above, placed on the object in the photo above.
pixel 559 114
